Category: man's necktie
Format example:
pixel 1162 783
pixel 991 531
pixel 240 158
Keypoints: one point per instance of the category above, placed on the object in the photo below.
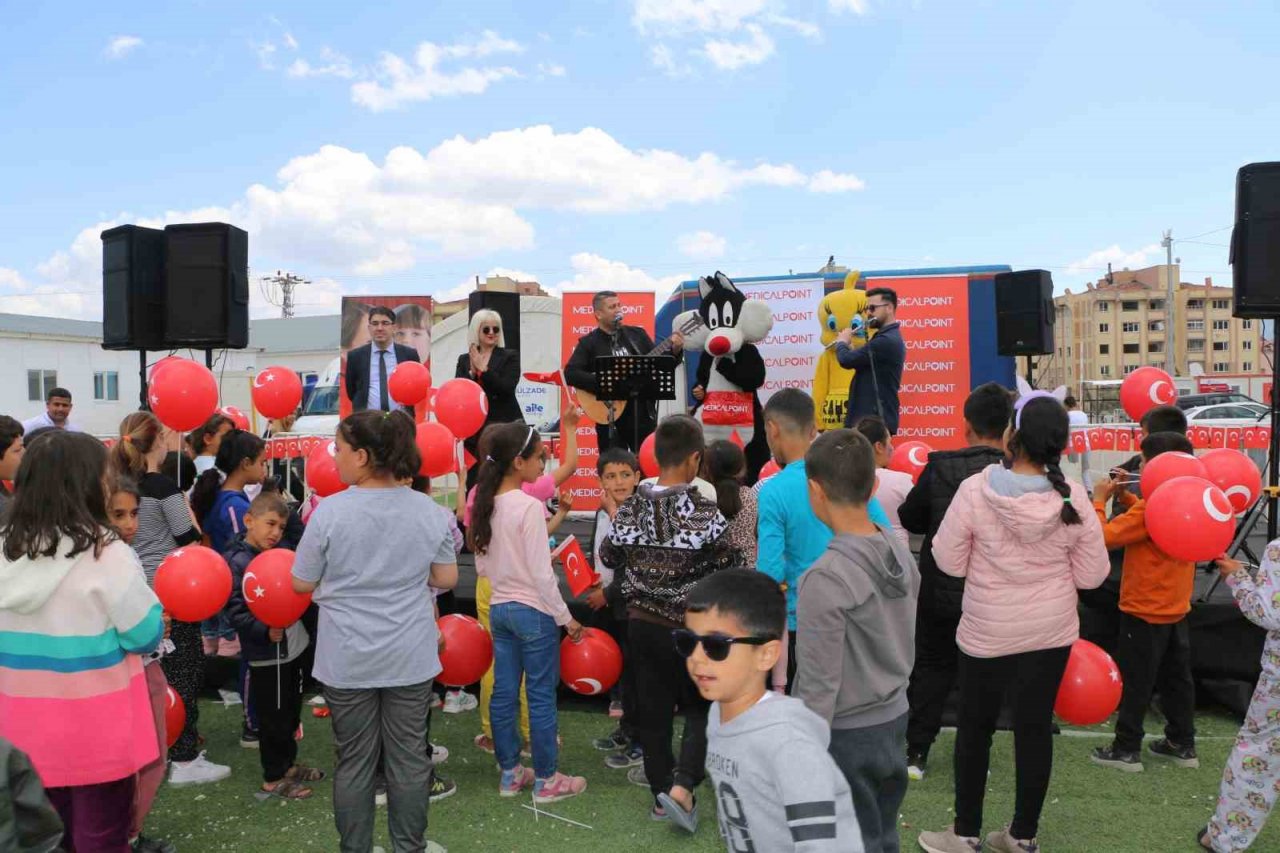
pixel 384 399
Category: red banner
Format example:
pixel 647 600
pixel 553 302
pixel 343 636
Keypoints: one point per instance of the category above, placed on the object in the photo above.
pixel 933 313
pixel 577 319
pixel 1127 437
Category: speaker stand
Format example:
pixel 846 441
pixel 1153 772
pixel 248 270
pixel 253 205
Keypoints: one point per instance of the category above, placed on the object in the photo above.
pixel 143 406
pixel 1030 377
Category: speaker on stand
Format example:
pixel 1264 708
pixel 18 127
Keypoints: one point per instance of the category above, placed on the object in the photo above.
pixel 508 307
pixel 1024 315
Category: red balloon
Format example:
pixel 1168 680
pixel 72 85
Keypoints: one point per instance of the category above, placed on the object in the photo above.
pixel 1144 389
pixel 1090 688
pixel 322 470
pixel 183 395
pixel 768 469
pixel 268 589
pixel 591 666
pixel 277 392
pixel 193 583
pixel 175 716
pixel 1166 466
pixel 910 457
pixel 1237 476
pixel 239 418
pixel 159 365
pixel 436 444
pixel 648 458
pixel 1190 518
pixel 468 650
pixel 409 383
pixel 462 406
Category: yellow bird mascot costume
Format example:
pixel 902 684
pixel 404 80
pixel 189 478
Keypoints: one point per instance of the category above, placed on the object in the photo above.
pixel 839 310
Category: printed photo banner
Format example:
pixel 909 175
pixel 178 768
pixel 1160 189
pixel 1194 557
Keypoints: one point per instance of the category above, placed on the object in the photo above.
pixel 1127 438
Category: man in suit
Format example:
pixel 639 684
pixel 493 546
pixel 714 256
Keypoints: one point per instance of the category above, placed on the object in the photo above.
pixel 369 366
pixel 610 337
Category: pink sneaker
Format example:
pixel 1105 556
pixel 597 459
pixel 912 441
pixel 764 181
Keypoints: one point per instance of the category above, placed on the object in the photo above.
pixel 229 648
pixel 521 778
pixel 210 646
pixel 558 787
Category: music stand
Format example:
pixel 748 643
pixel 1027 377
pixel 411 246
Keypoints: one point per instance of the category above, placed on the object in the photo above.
pixel 634 378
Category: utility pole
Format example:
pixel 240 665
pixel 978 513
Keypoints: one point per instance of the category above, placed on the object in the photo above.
pixel 1170 308
pixel 278 290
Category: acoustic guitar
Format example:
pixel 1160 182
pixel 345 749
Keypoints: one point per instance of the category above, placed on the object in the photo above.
pixel 598 410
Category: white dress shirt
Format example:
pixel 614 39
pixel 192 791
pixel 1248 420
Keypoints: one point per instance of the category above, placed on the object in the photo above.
pixel 375 379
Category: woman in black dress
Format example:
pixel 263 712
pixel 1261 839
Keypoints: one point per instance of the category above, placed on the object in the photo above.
pixel 496 369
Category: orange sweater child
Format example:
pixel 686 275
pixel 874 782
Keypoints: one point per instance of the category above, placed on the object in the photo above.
pixel 1153 586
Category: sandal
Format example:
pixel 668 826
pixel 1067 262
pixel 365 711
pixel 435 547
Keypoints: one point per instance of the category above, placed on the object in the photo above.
pixel 303 773
pixel 288 789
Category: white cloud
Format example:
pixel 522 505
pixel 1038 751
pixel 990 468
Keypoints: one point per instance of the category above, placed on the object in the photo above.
pixel 675 16
pixel 336 210
pixel 266 52
pixel 290 42
pixel 335 65
pixel 551 69
pixel 121 46
pixel 827 181
pixel 857 7
pixel 593 272
pixel 401 82
pixel 808 29
pixel 1094 265
pixel 730 55
pixel 701 245
pixel 664 60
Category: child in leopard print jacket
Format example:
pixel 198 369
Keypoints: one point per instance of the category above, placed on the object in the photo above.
pixel 1251 779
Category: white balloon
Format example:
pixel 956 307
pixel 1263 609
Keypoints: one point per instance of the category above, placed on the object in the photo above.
pixel 594 685
pixel 1209 506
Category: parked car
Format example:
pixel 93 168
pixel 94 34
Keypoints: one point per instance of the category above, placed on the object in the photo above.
pixel 1230 414
pixel 1212 398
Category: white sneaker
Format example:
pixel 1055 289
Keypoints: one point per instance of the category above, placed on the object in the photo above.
pixel 317 701
pixel 433 847
pixel 198 771
pixel 458 701
pixel 439 754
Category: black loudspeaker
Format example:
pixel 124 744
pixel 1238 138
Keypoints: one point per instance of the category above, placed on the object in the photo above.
pixel 206 286
pixel 1255 242
pixel 1024 313
pixel 508 307
pixel 132 288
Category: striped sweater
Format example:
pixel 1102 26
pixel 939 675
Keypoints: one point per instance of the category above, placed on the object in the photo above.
pixel 72 692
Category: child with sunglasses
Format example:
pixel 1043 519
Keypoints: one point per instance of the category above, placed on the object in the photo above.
pixel 776 785
pixel 855 645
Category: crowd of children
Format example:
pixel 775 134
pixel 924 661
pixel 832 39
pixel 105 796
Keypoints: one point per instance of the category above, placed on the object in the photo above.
pixel 787 623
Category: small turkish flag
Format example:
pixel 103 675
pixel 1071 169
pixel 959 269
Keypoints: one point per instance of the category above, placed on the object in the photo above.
pixel 1218 437
pixel 1095 438
pixel 1107 439
pixel 1199 436
pixel 1235 436
pixel 1079 441
pixel 576 569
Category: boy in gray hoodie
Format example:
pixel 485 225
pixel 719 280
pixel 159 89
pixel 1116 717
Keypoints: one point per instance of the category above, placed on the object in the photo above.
pixel 856 618
pixel 777 787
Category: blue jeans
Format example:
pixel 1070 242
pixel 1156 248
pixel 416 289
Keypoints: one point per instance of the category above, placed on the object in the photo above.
pixel 525 642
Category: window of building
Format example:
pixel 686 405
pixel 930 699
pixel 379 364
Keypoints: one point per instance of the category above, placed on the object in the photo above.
pixel 1195 325
pixel 1104 307
pixel 1156 305
pixel 1246 324
pixel 106 385
pixel 1130 368
pixel 1195 304
pixel 1222 305
pixel 1156 326
pixel 1221 325
pixel 1221 367
pixel 40 383
pixel 1103 328
pixel 1131 349
pixel 1104 370
pixel 1222 346
pixel 1246 344
pixel 1195 344
pixel 1104 349
pixel 1132 327
pixel 1155 346
pixel 1246 366
pixel 1128 306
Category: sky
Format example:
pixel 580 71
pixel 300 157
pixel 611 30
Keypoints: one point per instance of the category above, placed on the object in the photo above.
pixel 408 147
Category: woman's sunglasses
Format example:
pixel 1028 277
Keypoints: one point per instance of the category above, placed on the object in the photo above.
pixel 490 330
pixel 717 646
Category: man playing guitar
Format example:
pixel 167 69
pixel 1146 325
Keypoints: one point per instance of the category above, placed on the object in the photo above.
pixel 612 338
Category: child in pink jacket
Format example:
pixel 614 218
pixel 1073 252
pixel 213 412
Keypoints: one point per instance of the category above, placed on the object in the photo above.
pixel 1025 540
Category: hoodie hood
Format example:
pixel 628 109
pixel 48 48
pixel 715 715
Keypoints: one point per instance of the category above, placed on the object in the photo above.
pixel 877 555
pixel 1027 507
pixel 777 711
pixel 26 584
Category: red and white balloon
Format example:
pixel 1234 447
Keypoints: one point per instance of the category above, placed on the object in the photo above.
pixel 193 583
pixel 910 457
pixel 238 418
pixel 1191 519
pixel 1237 476
pixel 175 716
pixel 592 665
pixel 1166 466
pixel 409 383
pixel 1146 388
pixel 462 406
pixel 267 587
pixel 436 446
pixel 277 392
pixel 322 470
pixel 183 394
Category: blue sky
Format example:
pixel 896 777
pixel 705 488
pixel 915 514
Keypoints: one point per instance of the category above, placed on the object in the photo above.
pixel 407 147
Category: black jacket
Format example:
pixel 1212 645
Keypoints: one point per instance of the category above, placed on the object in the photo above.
pixel 255 645
pixel 499 384
pixel 874 390
pixel 923 510
pixel 580 371
pixel 28 821
pixel 356 377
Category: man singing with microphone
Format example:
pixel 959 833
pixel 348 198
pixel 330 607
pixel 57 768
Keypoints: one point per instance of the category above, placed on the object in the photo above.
pixel 874 390
pixel 610 337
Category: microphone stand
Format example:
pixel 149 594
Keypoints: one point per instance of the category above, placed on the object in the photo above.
pixel 613 348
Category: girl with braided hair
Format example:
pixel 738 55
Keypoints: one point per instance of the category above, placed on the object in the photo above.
pixel 1025 540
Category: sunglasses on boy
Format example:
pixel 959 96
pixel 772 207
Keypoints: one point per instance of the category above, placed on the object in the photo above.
pixel 716 646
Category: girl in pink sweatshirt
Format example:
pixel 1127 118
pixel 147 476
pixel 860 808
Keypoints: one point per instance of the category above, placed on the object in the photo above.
pixel 1025 540
pixel 509 538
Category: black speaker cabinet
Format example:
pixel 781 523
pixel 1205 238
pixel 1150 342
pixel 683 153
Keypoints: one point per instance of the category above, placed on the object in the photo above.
pixel 1024 313
pixel 508 307
pixel 132 288
pixel 1255 242
pixel 206 286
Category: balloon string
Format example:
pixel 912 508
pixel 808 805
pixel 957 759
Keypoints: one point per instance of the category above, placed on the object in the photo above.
pixel 279 675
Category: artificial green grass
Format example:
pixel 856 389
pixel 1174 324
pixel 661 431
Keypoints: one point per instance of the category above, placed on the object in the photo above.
pixel 1089 808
